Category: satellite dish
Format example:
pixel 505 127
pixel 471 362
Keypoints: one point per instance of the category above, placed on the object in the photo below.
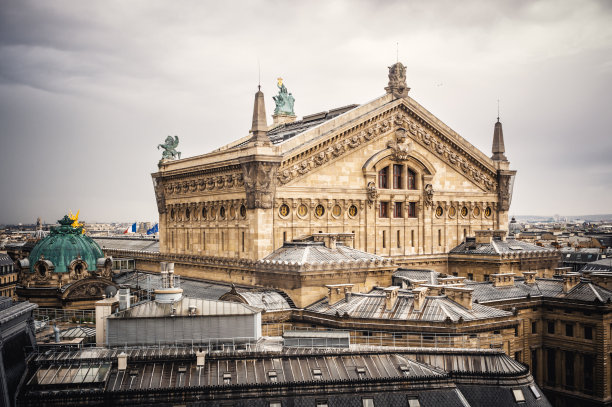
pixel 110 291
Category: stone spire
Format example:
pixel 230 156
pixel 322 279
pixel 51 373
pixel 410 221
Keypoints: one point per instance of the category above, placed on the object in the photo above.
pixel 259 127
pixel 397 81
pixel 498 143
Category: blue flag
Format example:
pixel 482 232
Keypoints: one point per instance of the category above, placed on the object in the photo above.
pixel 153 230
pixel 134 228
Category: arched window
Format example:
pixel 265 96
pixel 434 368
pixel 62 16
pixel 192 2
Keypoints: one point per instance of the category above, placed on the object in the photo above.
pixel 383 178
pixel 411 184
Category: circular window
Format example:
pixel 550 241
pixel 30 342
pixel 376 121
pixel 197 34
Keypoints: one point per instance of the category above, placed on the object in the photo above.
pixel 488 212
pixel 476 211
pixel 464 211
pixel 352 211
pixel 204 213
pixel 232 212
pixel 243 211
pixel 222 212
pixel 172 214
pixel 336 211
pixel 187 213
pixel 283 210
pixel 302 210
pixel 452 211
pixel 42 270
pixel 439 211
pixel 319 210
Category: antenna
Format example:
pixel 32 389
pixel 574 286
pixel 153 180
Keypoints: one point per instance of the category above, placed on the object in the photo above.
pixel 258 75
pixel 497 109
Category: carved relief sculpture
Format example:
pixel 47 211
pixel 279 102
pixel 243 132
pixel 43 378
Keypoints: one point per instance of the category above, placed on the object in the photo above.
pixel 372 193
pixel 401 148
pixel 259 183
pixel 429 193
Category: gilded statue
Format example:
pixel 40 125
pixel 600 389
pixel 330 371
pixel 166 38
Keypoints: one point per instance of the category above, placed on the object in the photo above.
pixel 284 100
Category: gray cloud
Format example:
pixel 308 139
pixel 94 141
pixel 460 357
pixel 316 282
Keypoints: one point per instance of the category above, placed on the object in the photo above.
pixel 90 88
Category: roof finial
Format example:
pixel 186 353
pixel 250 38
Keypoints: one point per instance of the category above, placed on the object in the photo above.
pixel 258 75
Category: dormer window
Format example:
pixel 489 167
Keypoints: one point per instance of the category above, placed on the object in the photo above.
pixel 316 374
pixel 361 372
pixel 227 378
pixel 272 376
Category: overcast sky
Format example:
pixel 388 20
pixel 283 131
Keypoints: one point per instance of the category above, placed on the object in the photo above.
pixel 88 89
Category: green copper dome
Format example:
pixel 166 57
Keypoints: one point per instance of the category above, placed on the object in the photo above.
pixel 64 244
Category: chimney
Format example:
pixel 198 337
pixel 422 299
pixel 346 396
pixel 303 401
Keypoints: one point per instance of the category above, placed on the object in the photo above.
pixel 484 236
pixel 200 357
pixel 461 295
pixel 336 292
pixel 332 239
pixel 570 280
pixel 122 361
pixel 390 297
pixel 502 279
pixel 500 234
pixel 420 294
pixel 104 308
pixel 560 271
pixel 498 143
pixel 259 127
pixel 530 277
pixel 124 298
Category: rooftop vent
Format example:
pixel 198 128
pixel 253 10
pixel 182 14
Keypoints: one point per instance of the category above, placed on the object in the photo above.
pixel 570 280
pixel 122 361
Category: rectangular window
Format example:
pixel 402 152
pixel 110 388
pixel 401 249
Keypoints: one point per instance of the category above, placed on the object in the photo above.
pixel 534 327
pixel 222 241
pixel 412 209
pixel 551 327
pixel 412 238
pixel 439 237
pixel 534 363
pixel 383 178
pixel 486 277
pixel 397 176
pixel 399 240
pixel 383 211
pixel 384 242
pixel 470 276
pixel 243 241
pixel 588 332
pixel 588 372
pixel 411 180
pixel 551 366
pixel 569 330
pixel 284 236
pixel 397 210
pixel 569 369
pixel 203 240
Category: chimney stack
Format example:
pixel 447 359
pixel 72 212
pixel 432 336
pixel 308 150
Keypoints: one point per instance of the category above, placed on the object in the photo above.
pixel 461 295
pixel 122 361
pixel 420 294
pixel 570 280
pixel 200 357
pixel 337 292
pixel 530 277
pixel 390 297
pixel 502 279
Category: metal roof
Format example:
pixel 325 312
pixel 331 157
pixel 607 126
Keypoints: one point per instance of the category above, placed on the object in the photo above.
pixel 128 243
pixel 469 246
pixel 373 306
pixel 181 308
pixel 316 252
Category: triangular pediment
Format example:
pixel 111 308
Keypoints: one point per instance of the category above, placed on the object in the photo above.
pixel 379 121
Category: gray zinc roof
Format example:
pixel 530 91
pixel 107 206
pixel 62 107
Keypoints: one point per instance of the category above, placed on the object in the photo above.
pixel 317 252
pixel 497 247
pixel 128 243
pixel 203 307
pixel 373 305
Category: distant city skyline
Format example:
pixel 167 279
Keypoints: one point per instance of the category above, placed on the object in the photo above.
pixel 90 89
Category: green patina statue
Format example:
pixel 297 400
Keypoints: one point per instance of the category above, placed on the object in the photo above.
pixel 284 100
pixel 169 147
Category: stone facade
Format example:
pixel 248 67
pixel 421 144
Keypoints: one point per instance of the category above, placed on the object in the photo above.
pixel 388 171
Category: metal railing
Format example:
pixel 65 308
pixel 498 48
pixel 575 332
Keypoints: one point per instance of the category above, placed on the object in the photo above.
pixel 56 315
pixel 400 338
